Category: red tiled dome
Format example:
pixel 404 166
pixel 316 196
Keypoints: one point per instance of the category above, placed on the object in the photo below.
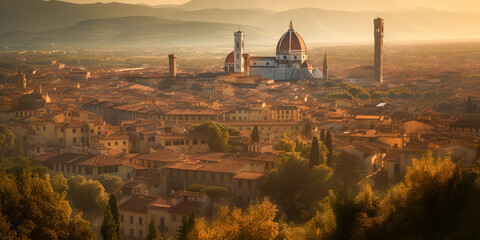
pixel 290 41
pixel 230 58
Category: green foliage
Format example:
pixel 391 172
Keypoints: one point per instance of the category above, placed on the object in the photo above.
pixel 7 141
pixel 111 183
pixel 344 95
pixel 437 200
pixel 186 228
pixel 216 193
pixel 255 136
pixel 295 187
pixel 217 135
pixel 285 144
pixel 110 229
pixel 340 213
pixel 257 222
pixel 153 233
pixel 307 128
pixel 347 171
pixel 88 196
pixel 60 183
pixel 314 153
pixel 329 145
pixel 31 209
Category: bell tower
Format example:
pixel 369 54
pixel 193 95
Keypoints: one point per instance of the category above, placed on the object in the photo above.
pixel 238 61
pixel 21 80
pixel 172 65
pixel 378 33
pixel 325 69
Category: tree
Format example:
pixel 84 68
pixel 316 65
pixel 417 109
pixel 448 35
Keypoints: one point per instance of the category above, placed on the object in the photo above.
pixel 187 227
pixel 437 200
pixel 329 145
pixel 314 153
pixel 153 233
pixel 285 144
pixel 7 141
pixel 217 135
pixel 257 222
pixel 295 187
pixel 322 135
pixel 88 196
pixel 307 128
pixel 111 183
pixel 31 209
pixel 216 193
pixel 110 229
pixel 255 136
pixel 60 183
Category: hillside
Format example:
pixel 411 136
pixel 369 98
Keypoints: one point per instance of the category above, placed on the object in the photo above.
pixel 130 32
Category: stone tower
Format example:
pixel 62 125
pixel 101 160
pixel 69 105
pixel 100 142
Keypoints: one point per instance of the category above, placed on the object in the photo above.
pixel 378 33
pixel 21 80
pixel 238 51
pixel 325 69
pixel 172 65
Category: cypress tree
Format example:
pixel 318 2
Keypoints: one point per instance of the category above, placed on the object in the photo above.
pixel 314 153
pixel 153 233
pixel 255 136
pixel 111 221
pixel 186 227
pixel 322 136
pixel 329 145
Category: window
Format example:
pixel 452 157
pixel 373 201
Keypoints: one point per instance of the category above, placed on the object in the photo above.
pixel 131 232
pixel 131 219
pixel 74 130
pixel 140 220
pixel 121 218
pixel 74 140
pixel 82 130
pixel 239 183
pixel 124 142
pixel 116 143
pixel 284 57
pixel 168 143
pixel 140 234
pixel 89 170
pixel 151 139
pixel 195 142
pixel 44 128
pixel 109 143
pixel 249 184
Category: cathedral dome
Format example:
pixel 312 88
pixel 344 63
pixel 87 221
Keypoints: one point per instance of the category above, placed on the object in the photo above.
pixel 230 58
pixel 291 41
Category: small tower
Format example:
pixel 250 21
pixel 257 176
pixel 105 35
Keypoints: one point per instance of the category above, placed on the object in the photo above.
pixel 21 80
pixel 325 69
pixel 172 65
pixel 238 61
pixel 378 33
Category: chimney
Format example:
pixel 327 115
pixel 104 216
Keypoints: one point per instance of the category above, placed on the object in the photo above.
pixel 172 65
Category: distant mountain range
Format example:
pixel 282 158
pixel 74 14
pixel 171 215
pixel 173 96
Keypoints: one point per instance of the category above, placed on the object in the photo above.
pixel 37 23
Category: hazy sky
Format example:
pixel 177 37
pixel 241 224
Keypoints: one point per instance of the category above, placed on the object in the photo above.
pixel 151 2
pixel 446 5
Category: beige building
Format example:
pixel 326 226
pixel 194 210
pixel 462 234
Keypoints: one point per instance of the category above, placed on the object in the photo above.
pixel 136 212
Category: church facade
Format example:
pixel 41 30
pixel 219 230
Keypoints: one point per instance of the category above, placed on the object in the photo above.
pixel 290 62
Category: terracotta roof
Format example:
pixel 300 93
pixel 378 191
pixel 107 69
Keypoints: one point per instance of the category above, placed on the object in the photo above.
pixel 291 41
pixel 230 58
pixel 137 203
pixel 249 175
pixel 162 155
pixel 85 160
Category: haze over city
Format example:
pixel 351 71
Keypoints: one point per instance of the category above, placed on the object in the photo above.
pixel 239 119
